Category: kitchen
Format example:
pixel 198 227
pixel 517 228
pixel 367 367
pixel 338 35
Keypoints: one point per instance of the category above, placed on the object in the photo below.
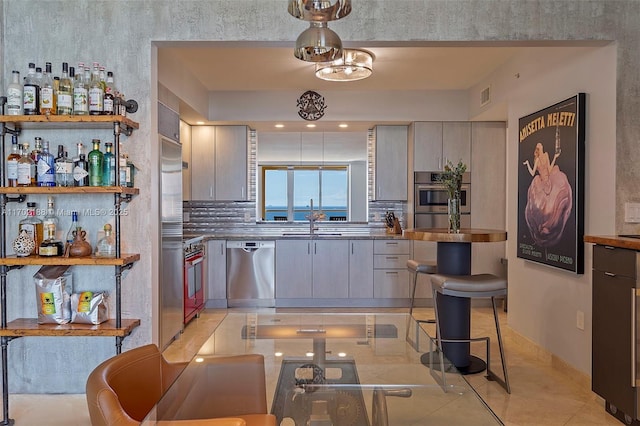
pixel 539 82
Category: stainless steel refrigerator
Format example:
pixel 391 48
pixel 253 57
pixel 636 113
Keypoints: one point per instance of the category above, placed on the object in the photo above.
pixel 172 263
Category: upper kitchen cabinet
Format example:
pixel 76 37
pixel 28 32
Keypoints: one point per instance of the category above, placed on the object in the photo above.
pixel 185 139
pixel 391 163
pixel 436 143
pixel 219 163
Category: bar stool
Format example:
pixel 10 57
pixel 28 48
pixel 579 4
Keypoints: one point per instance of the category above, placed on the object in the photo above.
pixel 472 286
pixel 419 267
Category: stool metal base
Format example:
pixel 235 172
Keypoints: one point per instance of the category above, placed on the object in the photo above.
pixel 477 365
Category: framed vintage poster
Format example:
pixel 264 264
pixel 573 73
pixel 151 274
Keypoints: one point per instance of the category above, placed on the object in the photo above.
pixel 551 185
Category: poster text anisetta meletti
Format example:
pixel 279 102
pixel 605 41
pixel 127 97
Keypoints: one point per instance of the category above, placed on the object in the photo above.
pixel 564 118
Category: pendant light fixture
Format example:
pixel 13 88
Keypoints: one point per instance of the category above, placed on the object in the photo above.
pixel 319 10
pixel 318 44
pixel 355 64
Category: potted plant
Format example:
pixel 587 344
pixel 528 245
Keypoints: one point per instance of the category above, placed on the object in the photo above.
pixel 451 178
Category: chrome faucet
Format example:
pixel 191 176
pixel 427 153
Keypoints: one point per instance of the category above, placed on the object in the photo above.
pixel 312 217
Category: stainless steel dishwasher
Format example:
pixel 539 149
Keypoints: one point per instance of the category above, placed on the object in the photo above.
pixel 251 273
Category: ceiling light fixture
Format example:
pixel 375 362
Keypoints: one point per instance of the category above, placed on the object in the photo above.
pixel 355 64
pixel 319 10
pixel 279 126
pixel 318 44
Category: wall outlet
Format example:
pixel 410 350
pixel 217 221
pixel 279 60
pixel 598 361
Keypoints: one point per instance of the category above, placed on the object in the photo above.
pixel 580 320
pixel 247 216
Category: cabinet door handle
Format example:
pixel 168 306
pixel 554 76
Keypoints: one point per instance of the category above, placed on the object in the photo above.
pixel 391 244
pixel 351 248
pixel 308 248
pixel 211 192
pixel 222 249
pixel 609 247
pixel 242 192
pixel 315 248
pixel 610 274
pixel 392 258
pixel 391 273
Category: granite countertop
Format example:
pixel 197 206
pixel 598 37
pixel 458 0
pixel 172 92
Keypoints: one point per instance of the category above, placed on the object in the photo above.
pixel 631 242
pixel 261 236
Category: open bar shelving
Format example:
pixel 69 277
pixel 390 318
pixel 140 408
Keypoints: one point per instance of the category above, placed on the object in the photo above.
pixel 23 327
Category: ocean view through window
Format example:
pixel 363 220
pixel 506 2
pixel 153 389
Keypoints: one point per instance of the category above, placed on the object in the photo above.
pixel 288 190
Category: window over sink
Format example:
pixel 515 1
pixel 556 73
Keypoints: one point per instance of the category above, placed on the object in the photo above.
pixel 288 190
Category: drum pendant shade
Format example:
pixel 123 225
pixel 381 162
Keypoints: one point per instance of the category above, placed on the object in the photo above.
pixel 318 44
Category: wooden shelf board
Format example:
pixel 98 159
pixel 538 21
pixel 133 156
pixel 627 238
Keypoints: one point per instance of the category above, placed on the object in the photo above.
pixel 60 121
pixel 124 259
pixel 69 190
pixel 30 327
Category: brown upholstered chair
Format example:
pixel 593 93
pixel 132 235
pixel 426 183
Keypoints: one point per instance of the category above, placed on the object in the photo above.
pixel 123 389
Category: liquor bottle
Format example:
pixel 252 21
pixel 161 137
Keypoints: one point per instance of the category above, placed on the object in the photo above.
pixel 106 246
pixel 109 166
pixel 96 92
pixel 51 245
pixel 96 164
pixel 80 95
pixel 47 93
pixel 109 96
pixel 122 163
pixel 103 78
pixel 15 96
pixel 81 169
pixel 32 225
pixel 64 168
pixel 35 156
pixel 31 92
pixel 39 83
pixel 46 167
pixel 65 92
pixel 25 163
pixel 12 162
pixel 74 227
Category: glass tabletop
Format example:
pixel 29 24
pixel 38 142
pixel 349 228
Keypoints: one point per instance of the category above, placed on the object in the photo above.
pixel 334 369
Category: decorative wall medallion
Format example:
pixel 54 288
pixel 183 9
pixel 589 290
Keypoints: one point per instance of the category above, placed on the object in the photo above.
pixel 311 105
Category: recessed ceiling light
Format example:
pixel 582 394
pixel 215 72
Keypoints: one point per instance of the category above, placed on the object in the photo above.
pixel 279 126
pixel 311 125
pixel 343 125
pixel 200 122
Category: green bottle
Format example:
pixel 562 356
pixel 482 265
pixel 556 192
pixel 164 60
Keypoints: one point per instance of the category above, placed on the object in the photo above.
pixel 96 160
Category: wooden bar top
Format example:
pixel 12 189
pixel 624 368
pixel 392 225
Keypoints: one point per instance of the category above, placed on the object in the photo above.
pixel 466 235
pixel 620 241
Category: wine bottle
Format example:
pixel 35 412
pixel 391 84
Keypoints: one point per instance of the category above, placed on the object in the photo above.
pixel 31 92
pixel 96 92
pixel 96 160
pixel 15 96
pixel 65 92
pixel 47 93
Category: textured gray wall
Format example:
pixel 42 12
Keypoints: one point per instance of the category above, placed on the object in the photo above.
pixel 119 34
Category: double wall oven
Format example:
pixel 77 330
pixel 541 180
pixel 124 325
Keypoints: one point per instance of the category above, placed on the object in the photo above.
pixel 430 201
pixel 194 275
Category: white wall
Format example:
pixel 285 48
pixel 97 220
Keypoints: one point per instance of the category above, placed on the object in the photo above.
pixel 543 301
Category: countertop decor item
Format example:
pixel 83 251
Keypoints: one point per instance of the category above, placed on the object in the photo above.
pixel 24 244
pixel 80 247
pixel 392 223
pixel 451 177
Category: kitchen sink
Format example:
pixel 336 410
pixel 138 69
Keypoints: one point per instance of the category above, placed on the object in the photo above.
pixel 307 234
pixel 629 236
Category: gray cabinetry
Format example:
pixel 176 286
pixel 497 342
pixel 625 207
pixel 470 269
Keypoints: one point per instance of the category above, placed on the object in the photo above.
pixel 391 163
pixel 330 269
pixel 361 269
pixel 216 286
pixel 317 269
pixel 185 140
pixel 390 275
pixel 614 330
pixel 202 163
pixel 168 122
pixel 219 163
pixel 437 142
pixel 293 269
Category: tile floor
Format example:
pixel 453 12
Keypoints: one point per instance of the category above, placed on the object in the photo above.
pixel 543 391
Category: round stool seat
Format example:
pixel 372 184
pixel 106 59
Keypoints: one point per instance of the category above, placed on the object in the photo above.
pixel 422 266
pixel 479 285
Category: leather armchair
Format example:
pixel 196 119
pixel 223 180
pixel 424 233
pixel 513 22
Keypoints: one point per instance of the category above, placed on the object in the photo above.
pixel 123 389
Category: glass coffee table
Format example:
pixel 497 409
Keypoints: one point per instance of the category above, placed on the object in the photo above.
pixel 351 369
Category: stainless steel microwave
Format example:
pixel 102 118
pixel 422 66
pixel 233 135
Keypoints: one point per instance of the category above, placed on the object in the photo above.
pixel 431 196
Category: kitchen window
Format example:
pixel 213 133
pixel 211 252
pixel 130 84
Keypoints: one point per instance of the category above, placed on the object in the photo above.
pixel 287 191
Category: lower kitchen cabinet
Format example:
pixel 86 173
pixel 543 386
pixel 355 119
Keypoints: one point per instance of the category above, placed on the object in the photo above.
pixel 293 269
pixel 216 288
pixel 316 269
pixel 361 269
pixel 614 375
pixel 390 275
